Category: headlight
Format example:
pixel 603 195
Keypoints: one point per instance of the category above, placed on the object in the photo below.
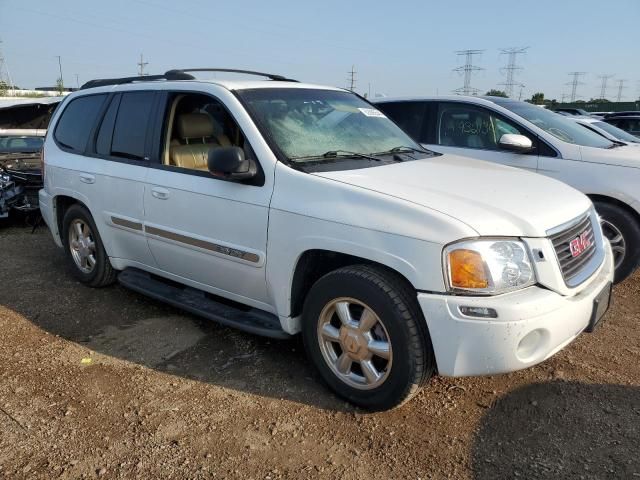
pixel 488 266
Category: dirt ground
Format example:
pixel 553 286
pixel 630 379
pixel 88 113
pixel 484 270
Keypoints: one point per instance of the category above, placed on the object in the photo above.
pixel 107 383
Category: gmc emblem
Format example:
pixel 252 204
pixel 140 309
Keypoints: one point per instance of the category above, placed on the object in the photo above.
pixel 579 244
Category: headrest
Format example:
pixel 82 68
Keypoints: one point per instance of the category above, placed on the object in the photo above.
pixel 194 125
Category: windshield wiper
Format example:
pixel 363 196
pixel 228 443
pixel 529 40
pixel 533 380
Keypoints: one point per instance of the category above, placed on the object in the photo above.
pixel 404 148
pixel 338 154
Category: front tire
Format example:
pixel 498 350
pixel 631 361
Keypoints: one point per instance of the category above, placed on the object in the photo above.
pixel 623 232
pixel 84 248
pixel 365 334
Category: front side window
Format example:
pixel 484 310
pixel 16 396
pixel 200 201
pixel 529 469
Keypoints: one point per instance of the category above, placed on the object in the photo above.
pixel 313 124
pixel 194 126
pixel 470 126
pixel 562 128
pixel 77 120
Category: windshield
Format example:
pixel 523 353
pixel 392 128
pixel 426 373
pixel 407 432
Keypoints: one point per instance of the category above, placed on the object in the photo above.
pixel 560 127
pixel 20 143
pixel 309 123
pixel 617 132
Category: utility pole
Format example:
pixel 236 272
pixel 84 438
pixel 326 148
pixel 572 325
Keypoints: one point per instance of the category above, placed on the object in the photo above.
pixel 621 87
pixel 604 79
pixel 60 82
pixel 141 65
pixel 574 84
pixel 77 81
pixel 521 89
pixel 511 68
pixel 467 69
pixel 351 79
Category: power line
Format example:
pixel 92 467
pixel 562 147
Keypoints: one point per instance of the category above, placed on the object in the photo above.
pixel 512 68
pixel 621 87
pixel 574 84
pixel 467 69
pixel 604 79
pixel 351 79
pixel 141 64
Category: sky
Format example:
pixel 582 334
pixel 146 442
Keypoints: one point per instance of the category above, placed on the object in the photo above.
pixel 397 48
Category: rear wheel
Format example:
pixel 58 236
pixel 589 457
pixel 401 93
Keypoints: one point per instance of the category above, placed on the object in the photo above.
pixel 365 334
pixel 623 232
pixel 84 248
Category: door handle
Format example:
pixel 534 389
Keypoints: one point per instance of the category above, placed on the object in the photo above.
pixel 160 193
pixel 86 178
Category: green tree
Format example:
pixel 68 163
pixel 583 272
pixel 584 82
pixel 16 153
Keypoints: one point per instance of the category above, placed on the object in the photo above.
pixel 537 98
pixel 60 85
pixel 3 88
pixel 496 93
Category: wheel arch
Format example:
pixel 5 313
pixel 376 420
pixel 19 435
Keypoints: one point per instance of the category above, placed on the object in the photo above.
pixel 596 197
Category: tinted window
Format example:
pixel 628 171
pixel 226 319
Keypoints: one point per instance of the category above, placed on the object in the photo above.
pixel 130 130
pixel 469 126
pixel 103 142
pixel 616 132
pixel 409 116
pixel 77 120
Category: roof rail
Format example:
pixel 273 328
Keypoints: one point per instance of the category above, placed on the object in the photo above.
pixel 270 76
pixel 176 74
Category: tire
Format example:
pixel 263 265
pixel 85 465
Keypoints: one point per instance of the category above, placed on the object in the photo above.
pixel 97 273
pixel 393 316
pixel 623 230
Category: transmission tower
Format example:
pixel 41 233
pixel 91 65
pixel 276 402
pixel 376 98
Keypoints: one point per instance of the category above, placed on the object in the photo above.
pixel 621 87
pixel 141 64
pixel 5 76
pixel 468 68
pixel 512 68
pixel 604 79
pixel 351 79
pixel 574 84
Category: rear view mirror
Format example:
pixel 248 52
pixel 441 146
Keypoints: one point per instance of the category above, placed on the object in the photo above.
pixel 229 163
pixel 516 143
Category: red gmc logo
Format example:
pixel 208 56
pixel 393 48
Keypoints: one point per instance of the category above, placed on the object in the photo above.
pixel 579 244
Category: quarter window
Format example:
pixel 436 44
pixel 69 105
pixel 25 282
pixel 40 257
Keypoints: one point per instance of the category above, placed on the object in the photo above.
pixel 77 121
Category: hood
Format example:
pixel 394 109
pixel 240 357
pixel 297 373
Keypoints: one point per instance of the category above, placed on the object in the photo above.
pixel 492 199
pixel 626 156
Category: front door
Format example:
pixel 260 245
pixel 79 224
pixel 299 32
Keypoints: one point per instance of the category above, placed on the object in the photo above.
pixel 209 232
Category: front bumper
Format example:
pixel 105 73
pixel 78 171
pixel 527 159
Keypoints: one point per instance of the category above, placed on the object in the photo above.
pixel 467 346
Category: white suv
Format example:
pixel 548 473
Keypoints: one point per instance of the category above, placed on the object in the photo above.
pixel 281 208
pixel 519 134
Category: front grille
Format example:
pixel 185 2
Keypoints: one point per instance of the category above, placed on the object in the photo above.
pixel 572 266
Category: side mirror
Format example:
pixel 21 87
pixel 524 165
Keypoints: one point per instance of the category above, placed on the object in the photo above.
pixel 229 163
pixel 515 143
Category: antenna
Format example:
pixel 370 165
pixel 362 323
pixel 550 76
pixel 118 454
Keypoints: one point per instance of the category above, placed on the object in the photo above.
pixel 352 78
pixel 141 64
pixel 467 69
pixel 574 84
pixel 511 68
pixel 621 87
pixel 603 85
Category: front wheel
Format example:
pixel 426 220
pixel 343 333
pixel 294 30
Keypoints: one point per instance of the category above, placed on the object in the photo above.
pixel 623 232
pixel 365 334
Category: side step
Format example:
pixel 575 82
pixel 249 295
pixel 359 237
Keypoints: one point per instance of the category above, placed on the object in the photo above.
pixel 200 303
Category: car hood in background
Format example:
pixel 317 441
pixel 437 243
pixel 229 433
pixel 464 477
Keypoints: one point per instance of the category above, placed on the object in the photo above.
pixel 492 199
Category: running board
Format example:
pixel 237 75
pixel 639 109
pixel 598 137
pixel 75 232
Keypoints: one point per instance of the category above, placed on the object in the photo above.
pixel 200 303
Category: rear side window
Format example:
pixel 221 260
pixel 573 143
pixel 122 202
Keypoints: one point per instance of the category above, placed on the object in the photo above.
pixel 77 121
pixel 410 116
pixel 130 129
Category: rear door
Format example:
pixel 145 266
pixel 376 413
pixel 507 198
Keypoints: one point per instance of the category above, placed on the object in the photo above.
pixel 474 131
pixel 115 172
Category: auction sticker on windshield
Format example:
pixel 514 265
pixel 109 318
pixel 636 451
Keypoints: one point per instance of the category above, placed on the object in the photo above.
pixel 372 112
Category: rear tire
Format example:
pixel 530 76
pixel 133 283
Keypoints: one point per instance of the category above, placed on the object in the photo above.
pixel 381 355
pixel 623 231
pixel 84 248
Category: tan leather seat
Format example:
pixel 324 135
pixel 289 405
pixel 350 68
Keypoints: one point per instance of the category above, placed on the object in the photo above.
pixel 197 134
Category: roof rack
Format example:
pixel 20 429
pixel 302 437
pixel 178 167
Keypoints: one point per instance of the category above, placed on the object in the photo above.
pixel 177 74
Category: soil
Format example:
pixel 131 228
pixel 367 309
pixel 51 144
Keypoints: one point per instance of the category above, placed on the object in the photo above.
pixel 107 383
